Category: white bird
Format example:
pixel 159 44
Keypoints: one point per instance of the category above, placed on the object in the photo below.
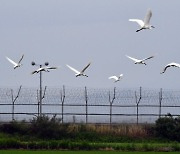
pixel 79 73
pixel 170 65
pixel 45 69
pixel 116 78
pixel 144 24
pixel 139 61
pixel 14 63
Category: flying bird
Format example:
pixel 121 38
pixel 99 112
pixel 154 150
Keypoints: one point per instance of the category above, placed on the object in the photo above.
pixel 14 63
pixel 144 24
pixel 170 65
pixel 116 78
pixel 45 69
pixel 79 73
pixel 139 61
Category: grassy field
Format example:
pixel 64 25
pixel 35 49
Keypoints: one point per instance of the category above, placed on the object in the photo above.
pixel 45 135
pixel 76 152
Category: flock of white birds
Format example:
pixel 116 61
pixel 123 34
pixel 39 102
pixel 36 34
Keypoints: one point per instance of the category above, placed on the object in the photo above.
pixel 143 25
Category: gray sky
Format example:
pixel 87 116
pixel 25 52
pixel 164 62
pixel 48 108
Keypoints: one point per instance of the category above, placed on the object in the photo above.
pixel 75 32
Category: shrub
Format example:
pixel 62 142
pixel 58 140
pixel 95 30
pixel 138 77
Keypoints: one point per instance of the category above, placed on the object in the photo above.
pixel 9 143
pixel 15 127
pixel 168 127
pixel 146 147
pixel 47 128
pixel 176 146
pixel 54 145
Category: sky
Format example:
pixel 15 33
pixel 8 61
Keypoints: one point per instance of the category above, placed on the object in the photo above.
pixel 98 31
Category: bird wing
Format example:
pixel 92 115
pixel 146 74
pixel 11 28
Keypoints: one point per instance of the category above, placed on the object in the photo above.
pixel 34 72
pixel 140 22
pixel 51 67
pixel 21 59
pixel 134 59
pixel 11 61
pixel 39 70
pixel 121 75
pixel 113 77
pixel 147 58
pixel 147 17
pixel 85 68
pixel 169 65
pixel 174 64
pixel 73 69
pixel 165 68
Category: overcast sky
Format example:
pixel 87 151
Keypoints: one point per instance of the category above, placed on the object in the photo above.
pixel 77 32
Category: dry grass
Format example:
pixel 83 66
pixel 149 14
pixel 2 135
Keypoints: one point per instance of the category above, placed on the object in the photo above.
pixel 73 128
pixel 131 130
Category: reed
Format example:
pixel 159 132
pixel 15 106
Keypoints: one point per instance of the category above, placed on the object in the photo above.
pixel 128 130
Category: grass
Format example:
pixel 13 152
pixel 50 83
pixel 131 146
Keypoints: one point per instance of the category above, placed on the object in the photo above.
pixel 115 144
pixel 49 134
pixel 76 152
pixel 83 145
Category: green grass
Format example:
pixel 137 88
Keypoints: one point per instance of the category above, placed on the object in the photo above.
pixel 76 152
pixel 83 145
pixel 77 138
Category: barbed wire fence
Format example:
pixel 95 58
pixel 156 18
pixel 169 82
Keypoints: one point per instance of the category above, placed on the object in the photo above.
pixel 89 105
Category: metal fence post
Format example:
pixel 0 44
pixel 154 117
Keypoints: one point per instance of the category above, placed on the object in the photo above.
pixel 160 102
pixel 62 103
pixel 82 102
pixel 111 103
pixel 137 105
pixel 86 100
pixel 14 100
pixel 38 103
pixel 12 104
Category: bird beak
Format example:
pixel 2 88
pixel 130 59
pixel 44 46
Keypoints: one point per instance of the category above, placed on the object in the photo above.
pixel 152 26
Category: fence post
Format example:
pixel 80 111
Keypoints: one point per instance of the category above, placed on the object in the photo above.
pixel 160 102
pixel 14 100
pixel 111 103
pixel 137 105
pixel 42 97
pixel 86 100
pixel 39 99
pixel 12 104
pixel 62 103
